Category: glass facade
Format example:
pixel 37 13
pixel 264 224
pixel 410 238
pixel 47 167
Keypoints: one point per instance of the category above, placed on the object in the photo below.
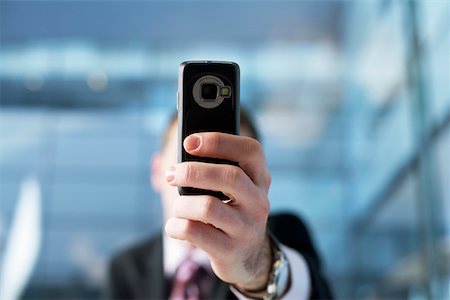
pixel 352 99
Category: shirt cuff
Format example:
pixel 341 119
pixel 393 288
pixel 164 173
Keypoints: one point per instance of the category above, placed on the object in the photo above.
pixel 300 280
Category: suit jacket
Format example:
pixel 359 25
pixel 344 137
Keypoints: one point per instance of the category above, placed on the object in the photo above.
pixel 137 273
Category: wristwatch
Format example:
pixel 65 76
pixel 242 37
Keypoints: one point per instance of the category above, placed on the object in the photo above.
pixel 279 277
pixel 279 280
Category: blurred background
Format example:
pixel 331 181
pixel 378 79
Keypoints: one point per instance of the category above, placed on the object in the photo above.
pixel 352 98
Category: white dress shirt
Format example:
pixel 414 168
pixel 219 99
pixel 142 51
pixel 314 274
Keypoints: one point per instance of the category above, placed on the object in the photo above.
pixel 175 251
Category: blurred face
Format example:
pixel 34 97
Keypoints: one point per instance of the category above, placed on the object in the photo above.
pixel 162 161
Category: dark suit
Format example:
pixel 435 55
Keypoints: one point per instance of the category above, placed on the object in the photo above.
pixel 137 273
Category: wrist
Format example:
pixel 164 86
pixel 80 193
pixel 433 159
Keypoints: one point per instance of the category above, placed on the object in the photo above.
pixel 277 281
pixel 260 268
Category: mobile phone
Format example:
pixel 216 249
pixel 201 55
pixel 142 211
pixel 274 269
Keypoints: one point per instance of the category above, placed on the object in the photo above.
pixel 208 101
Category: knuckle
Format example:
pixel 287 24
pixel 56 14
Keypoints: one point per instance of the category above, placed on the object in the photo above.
pixel 190 173
pixel 267 207
pixel 265 179
pixel 232 175
pixel 214 142
pixel 263 208
pixel 254 147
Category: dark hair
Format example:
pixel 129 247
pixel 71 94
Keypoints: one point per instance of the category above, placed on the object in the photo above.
pixel 246 122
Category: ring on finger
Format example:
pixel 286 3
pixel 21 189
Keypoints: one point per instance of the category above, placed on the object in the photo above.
pixel 228 201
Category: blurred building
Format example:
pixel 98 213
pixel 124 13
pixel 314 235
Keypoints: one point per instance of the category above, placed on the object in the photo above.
pixel 352 98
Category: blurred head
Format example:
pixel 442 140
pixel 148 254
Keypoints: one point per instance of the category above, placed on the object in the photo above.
pixel 167 156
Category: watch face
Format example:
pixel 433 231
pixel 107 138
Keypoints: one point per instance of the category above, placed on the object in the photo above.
pixel 283 275
pixel 279 279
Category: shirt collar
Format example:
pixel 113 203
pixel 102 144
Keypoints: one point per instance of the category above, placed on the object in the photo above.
pixel 175 251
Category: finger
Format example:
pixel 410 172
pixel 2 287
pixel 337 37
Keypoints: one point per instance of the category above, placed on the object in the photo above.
pixel 228 179
pixel 208 210
pixel 246 151
pixel 204 236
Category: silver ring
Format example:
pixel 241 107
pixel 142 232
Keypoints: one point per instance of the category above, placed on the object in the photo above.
pixel 227 201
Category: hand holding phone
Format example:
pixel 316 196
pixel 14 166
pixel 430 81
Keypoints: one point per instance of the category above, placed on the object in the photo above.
pixel 220 163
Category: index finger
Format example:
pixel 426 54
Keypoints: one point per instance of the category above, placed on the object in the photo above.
pixel 246 151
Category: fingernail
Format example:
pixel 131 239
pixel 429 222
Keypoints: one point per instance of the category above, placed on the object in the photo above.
pixel 193 142
pixel 170 174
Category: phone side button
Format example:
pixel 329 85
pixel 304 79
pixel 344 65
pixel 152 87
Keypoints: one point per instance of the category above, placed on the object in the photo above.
pixel 178 99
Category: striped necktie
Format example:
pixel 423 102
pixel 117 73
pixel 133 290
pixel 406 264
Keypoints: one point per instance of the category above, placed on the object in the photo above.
pixel 186 281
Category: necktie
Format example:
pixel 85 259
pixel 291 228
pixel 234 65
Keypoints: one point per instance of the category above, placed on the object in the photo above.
pixel 186 281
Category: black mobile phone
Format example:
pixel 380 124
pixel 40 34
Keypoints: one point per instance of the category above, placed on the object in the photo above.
pixel 208 101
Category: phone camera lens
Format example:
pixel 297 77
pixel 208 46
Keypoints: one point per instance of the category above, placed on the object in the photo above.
pixel 209 91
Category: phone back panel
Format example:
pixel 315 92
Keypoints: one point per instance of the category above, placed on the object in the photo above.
pixel 194 118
